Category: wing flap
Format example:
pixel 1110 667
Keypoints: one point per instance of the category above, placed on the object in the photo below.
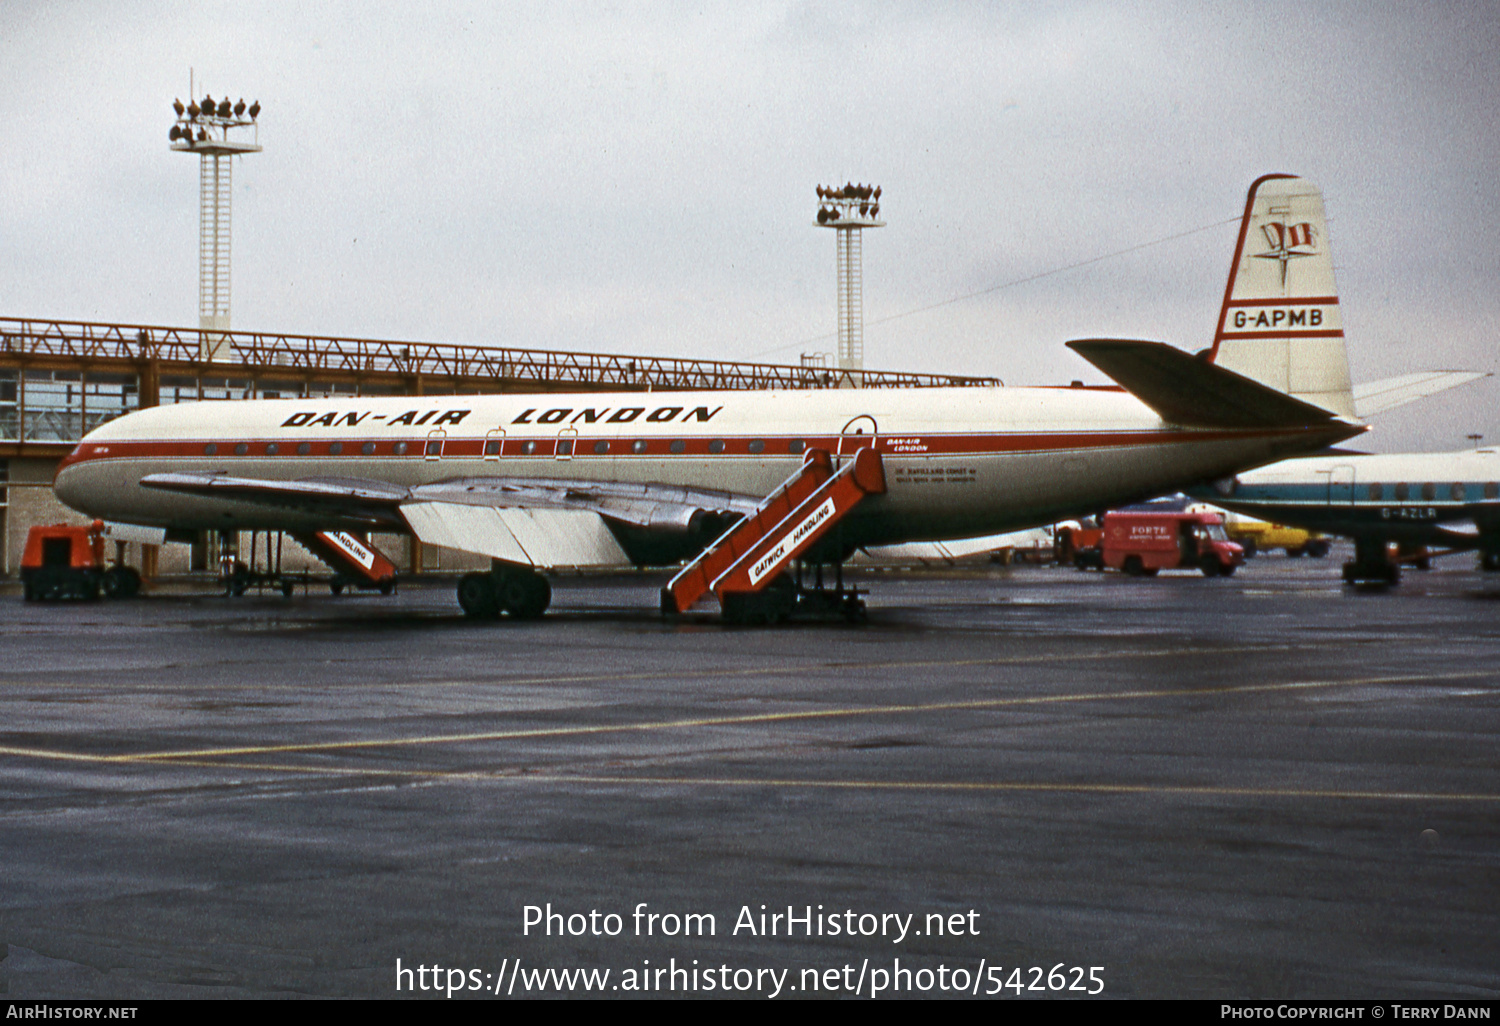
pixel 531 537
pixel 1189 391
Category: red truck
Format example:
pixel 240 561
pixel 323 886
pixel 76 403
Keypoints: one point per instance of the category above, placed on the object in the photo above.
pixel 65 561
pixel 1143 543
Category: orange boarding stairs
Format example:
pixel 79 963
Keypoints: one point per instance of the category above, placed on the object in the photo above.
pixel 351 557
pixel 748 557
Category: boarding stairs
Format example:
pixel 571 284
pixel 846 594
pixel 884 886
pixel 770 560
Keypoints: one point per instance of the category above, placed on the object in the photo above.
pixel 354 560
pixel 744 568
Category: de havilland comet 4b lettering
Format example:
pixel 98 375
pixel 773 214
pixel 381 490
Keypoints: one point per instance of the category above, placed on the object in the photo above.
pixel 744 485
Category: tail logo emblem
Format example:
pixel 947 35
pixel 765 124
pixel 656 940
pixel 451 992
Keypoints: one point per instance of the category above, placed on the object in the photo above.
pixel 1287 241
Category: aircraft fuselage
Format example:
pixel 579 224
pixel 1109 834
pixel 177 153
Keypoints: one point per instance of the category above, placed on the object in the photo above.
pixel 959 462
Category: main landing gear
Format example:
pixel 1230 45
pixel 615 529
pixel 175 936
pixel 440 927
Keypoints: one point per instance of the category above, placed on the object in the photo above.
pixel 523 593
pixel 1372 564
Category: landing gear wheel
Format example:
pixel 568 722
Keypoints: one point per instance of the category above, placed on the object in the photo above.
pixel 1365 573
pixel 476 594
pixel 524 594
pixel 121 582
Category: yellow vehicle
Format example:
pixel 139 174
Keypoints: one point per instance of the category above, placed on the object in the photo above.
pixel 1261 536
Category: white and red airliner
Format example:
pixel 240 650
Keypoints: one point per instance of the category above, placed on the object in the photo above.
pixel 621 479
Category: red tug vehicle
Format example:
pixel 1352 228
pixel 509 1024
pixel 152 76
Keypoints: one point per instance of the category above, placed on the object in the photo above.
pixel 65 561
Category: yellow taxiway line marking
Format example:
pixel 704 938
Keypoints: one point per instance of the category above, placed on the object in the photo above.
pixel 952 786
pixel 737 720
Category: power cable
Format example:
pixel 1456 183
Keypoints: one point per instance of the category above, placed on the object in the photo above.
pixel 1007 284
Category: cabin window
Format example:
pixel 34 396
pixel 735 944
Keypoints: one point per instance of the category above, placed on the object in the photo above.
pixel 796 445
pixel 1402 491
pixel 638 446
pixel 679 447
pixel 1456 493
pixel 335 448
pixel 241 449
pixel 1377 492
pixel 716 446
pixel 565 446
pixel 434 448
pixel 528 447
pixel 272 449
pixel 1492 490
pixel 757 445
pixel 399 448
pixel 210 449
pixel 368 448
pixel 492 447
pixel 1429 492
pixel 601 447
pixel 303 448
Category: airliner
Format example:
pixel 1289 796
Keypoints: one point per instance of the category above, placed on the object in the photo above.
pixel 749 481
pixel 1411 500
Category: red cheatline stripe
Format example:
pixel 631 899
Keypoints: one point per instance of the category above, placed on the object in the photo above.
pixel 583 449
pixel 1290 301
pixel 1233 335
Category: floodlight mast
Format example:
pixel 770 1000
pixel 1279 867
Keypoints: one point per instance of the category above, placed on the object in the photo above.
pixel 850 209
pixel 204 127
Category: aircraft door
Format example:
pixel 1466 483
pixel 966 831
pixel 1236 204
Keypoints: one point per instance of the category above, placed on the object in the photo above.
pixel 858 434
pixel 494 442
pixel 567 438
pixel 1341 485
pixel 435 440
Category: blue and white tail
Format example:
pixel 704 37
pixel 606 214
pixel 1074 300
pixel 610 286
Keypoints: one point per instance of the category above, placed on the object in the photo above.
pixel 1280 322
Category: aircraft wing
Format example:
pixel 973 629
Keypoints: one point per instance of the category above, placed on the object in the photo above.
pixel 1388 393
pixel 531 521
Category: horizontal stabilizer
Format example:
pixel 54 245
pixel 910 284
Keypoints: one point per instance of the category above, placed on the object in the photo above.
pixel 1189 391
pixel 1388 393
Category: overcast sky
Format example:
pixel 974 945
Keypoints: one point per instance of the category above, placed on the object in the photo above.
pixel 640 177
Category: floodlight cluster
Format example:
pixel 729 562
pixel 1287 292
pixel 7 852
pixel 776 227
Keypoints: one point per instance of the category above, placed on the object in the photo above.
pixel 851 202
pixel 202 121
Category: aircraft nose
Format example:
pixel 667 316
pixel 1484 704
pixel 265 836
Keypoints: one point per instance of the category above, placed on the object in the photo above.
pixel 74 487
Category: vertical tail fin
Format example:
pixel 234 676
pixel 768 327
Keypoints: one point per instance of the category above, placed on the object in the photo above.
pixel 1280 322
